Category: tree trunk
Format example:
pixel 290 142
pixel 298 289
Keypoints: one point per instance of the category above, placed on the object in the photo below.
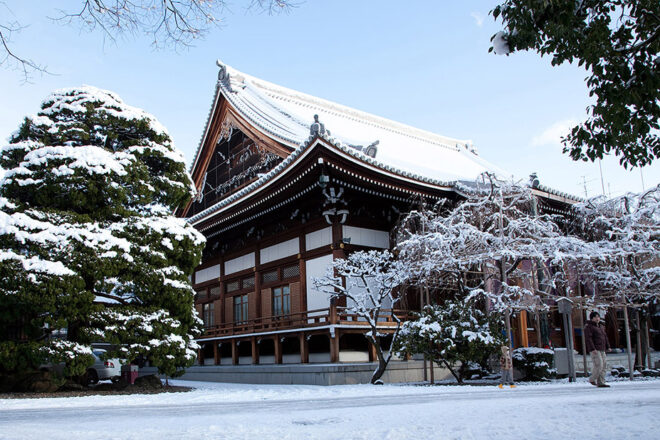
pixel 453 373
pixel 382 362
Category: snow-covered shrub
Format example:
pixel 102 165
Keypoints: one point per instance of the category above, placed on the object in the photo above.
pixel 534 363
pixel 87 226
pixel 455 335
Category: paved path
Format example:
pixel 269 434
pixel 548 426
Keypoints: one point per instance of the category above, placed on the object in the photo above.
pixel 624 411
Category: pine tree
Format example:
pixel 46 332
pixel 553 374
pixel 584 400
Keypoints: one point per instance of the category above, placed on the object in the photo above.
pixel 88 240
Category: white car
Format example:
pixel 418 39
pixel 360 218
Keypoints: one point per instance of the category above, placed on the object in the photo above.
pixel 104 369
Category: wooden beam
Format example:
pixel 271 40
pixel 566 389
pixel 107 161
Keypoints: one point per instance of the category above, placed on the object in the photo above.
pixel 216 354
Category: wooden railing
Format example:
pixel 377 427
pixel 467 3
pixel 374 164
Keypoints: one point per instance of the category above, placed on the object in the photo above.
pixel 384 318
pixel 311 318
pixel 302 320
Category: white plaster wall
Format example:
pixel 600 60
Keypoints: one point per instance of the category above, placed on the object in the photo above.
pixel 279 250
pixel 319 358
pixel 291 358
pixel 316 239
pixel 316 268
pixel 353 356
pixel 367 237
pixel 240 263
pixel 207 274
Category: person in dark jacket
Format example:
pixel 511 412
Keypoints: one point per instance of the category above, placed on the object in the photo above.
pixel 597 345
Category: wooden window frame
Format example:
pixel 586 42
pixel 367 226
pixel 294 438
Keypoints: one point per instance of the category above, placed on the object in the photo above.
pixel 283 312
pixel 208 314
pixel 241 300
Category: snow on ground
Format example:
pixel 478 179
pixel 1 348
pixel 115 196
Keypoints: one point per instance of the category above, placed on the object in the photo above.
pixel 628 410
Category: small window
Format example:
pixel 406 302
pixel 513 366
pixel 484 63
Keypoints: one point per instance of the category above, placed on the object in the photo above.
pixel 291 271
pixel 214 292
pixel 240 309
pixel 269 277
pixel 248 283
pixel 232 286
pixel 200 294
pixel 281 301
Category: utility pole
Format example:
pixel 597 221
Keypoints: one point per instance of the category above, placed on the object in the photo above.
pixel 602 181
pixel 584 184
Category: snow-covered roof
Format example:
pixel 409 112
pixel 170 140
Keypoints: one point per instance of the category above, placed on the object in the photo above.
pixel 286 115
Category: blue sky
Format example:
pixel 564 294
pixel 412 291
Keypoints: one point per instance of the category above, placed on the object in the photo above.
pixel 425 64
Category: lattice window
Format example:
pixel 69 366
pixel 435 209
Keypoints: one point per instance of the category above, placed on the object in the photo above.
pixel 214 292
pixel 291 271
pixel 248 283
pixel 232 286
pixel 269 277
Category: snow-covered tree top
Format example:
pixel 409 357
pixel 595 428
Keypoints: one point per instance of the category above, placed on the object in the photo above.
pixel 77 99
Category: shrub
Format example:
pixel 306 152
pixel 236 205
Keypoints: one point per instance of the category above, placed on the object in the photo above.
pixel 535 363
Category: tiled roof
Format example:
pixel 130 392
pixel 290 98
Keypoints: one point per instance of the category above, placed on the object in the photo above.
pixel 286 115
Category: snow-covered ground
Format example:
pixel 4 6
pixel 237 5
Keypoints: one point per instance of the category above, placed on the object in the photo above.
pixel 628 410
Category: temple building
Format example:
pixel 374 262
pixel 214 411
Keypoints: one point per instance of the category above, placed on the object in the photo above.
pixel 286 183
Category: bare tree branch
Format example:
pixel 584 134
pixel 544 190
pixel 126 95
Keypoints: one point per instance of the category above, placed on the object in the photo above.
pixel 170 23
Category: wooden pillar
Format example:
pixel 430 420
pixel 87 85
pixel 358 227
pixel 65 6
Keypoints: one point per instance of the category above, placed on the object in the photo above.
pixel 304 349
pixel 257 285
pixel 522 329
pixel 216 354
pixel 373 356
pixel 222 293
pixel 303 274
pixel 278 349
pixel 255 351
pixel 200 356
pixel 334 347
pixel 234 352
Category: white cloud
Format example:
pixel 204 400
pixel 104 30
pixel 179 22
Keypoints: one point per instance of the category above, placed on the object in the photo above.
pixel 478 18
pixel 553 134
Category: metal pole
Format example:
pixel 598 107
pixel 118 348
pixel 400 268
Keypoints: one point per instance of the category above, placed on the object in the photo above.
pixel 638 356
pixel 602 181
pixel 648 342
pixel 628 344
pixel 507 318
pixel 569 348
pixel 584 344
pixel 571 359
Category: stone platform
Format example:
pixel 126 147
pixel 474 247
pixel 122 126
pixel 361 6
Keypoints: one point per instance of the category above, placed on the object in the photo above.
pixel 308 374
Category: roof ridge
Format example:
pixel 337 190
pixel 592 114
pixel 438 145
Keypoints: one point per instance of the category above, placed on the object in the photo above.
pixel 350 113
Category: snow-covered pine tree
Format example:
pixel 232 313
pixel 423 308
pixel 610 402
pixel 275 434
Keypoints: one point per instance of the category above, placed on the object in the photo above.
pixel 88 239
